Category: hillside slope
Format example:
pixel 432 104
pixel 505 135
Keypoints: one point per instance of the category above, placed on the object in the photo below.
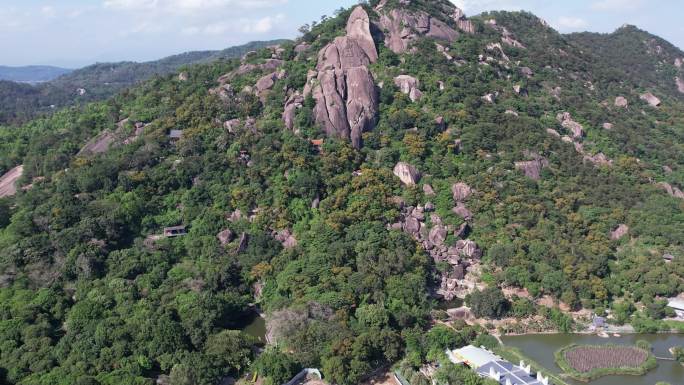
pixel 348 185
pixel 19 103
pixel 31 74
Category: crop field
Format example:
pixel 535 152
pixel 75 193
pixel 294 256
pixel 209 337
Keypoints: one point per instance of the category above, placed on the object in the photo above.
pixel 587 358
pixel 588 362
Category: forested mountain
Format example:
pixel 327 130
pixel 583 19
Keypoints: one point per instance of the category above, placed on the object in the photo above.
pixel 19 102
pixel 396 156
pixel 31 74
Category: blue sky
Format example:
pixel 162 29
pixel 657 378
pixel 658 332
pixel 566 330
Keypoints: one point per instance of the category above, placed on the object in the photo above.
pixel 75 33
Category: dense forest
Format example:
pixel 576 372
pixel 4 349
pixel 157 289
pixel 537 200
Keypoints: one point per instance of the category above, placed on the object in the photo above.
pixel 566 192
pixel 20 102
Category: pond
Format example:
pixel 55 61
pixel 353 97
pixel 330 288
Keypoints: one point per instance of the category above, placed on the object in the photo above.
pixel 541 348
pixel 256 327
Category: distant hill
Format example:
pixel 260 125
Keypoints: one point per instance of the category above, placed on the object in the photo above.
pixel 646 59
pixel 32 74
pixel 21 102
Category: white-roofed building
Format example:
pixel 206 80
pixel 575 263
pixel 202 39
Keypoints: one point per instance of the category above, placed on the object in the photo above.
pixel 472 356
pixel 678 305
pixel 488 365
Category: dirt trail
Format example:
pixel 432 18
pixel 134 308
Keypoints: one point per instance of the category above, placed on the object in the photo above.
pixel 8 181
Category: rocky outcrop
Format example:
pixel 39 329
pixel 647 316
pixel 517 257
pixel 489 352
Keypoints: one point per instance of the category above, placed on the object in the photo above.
pixel 679 62
pixel 651 99
pixel 461 257
pixel 345 94
pixel 402 26
pixel 680 84
pixel 532 168
pixel 671 190
pixel 268 65
pixel 621 101
pixel 599 159
pixel 619 232
pixel 607 126
pixel 409 86
pixel 408 174
pixel 565 119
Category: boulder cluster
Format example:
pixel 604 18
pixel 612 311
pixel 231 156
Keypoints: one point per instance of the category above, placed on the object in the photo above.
pixel 461 256
pixel 402 26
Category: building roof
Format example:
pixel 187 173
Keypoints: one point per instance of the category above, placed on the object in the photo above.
pixel 474 356
pixel 676 303
pixel 509 372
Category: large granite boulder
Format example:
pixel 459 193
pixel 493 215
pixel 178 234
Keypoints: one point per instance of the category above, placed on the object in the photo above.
pixel 679 62
pixel 462 211
pixel 651 99
pixel 460 191
pixel 437 235
pixel 408 174
pixel 680 84
pixel 469 249
pixel 345 94
pixel 409 86
pixel 621 101
pixel 619 232
pixel 225 237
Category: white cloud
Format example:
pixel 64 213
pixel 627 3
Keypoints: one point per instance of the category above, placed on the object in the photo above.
pixel 617 5
pixel 477 6
pixel 188 5
pixel 568 22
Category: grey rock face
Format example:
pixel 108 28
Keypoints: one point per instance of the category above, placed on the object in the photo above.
pixel 680 84
pixel 346 96
pixel 408 174
pixel 679 62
